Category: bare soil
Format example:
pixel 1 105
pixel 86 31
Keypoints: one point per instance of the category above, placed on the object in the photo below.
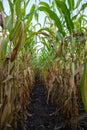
pixel 43 116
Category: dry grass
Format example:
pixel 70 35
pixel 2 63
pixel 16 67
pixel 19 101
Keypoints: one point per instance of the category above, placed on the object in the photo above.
pixel 59 84
pixel 16 82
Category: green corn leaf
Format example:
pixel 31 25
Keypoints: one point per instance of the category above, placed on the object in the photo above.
pixel 19 40
pixel 15 31
pixel 18 8
pixel 71 4
pixel 84 6
pixel 4 48
pixel 26 3
pixel 44 42
pixel 31 13
pixel 74 17
pixel 44 4
pixel 29 16
pixel 84 85
pixel 11 5
pixel 48 30
pixel 1 6
pixel 64 1
pixel 78 3
pixel 66 12
pixel 59 37
pixel 54 17
pixel 8 22
pixel 36 16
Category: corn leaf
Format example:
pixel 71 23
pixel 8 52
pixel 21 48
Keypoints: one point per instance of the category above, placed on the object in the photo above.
pixel 26 3
pixel 48 30
pixel 84 6
pixel 66 12
pixel 84 85
pixel 14 32
pixel 29 16
pixel 1 6
pixel 18 43
pixel 71 4
pixel 18 8
pixel 4 48
pixel 54 17
pixel 11 5
pixel 8 21
pixel 44 4
pixel 78 3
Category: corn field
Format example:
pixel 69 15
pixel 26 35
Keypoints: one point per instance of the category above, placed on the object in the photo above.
pixel 54 50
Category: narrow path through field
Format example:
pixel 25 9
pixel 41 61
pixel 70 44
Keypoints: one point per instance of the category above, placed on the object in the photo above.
pixel 41 116
pixel 40 113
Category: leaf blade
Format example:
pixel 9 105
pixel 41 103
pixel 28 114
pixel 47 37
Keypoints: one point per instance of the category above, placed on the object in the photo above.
pixel 54 17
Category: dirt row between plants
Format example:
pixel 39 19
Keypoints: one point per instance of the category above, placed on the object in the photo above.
pixel 44 116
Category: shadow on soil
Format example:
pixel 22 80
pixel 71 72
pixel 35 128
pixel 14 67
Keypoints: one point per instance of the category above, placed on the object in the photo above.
pixel 41 116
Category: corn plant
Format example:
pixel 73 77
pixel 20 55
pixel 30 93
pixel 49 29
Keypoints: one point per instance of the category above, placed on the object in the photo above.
pixel 60 59
pixel 70 53
pixel 16 78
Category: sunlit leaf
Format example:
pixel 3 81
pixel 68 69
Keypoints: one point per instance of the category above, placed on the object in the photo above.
pixel 78 3
pixel 84 6
pixel 18 8
pixel 29 16
pixel 44 4
pixel 8 22
pixel 26 3
pixel 48 30
pixel 71 4
pixel 11 5
pixel 1 6
pixel 54 17
pixel 66 12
